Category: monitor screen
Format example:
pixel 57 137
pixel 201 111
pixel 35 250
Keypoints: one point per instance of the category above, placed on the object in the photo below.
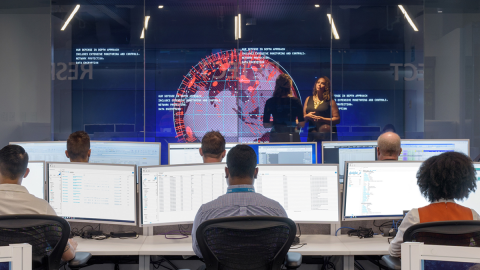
pixel 308 193
pixel 473 200
pixel 188 153
pixel 420 150
pixel 376 190
pixel 339 152
pixel 285 153
pixel 138 153
pixel 35 180
pixel 173 194
pixel 101 193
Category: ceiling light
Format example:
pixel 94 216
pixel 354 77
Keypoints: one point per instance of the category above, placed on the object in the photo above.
pixel 147 18
pixel 239 25
pixel 160 6
pixel 70 17
pixel 142 36
pixel 317 5
pixel 408 18
pixel 236 27
pixel 334 29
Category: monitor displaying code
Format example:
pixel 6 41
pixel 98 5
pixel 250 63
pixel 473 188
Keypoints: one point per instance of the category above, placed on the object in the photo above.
pixel 375 190
pixel 138 153
pixel 35 180
pixel 307 193
pixel 339 152
pixel 100 193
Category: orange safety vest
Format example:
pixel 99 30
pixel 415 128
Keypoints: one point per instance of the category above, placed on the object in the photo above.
pixel 443 212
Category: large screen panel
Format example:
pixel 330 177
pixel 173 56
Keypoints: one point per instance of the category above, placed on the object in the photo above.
pixel 378 190
pixel 101 193
pixel 335 152
pixel 309 193
pixel 35 180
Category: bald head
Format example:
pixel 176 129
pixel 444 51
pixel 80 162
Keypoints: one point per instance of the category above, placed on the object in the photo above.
pixel 388 146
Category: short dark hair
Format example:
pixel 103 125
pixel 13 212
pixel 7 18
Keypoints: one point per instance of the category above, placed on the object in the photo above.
pixel 283 85
pixel 447 176
pixel 213 144
pixel 241 161
pixel 13 161
pixel 78 144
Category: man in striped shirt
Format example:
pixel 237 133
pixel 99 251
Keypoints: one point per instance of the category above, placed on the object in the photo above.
pixel 241 199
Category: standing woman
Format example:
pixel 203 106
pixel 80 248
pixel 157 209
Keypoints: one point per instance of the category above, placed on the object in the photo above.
pixel 286 110
pixel 321 112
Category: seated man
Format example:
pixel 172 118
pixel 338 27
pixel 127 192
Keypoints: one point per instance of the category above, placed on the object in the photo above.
pixel 388 146
pixel 241 199
pixel 15 199
pixel 441 179
pixel 213 147
pixel 78 147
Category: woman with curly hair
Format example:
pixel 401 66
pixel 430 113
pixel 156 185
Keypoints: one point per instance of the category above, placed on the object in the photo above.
pixel 321 111
pixel 286 110
pixel 442 179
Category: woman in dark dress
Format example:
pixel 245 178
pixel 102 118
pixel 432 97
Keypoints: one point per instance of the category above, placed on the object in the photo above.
pixel 321 112
pixel 286 110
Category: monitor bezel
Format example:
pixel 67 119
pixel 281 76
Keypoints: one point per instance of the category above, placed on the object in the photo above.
pixel 140 191
pixel 100 164
pixel 337 183
pixel 315 145
pixel 345 185
pixel 329 142
pixel 236 143
pixel 44 176
pixel 93 142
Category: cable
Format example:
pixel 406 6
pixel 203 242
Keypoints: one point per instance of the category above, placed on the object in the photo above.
pixel 343 228
pixel 299 230
pixel 359 265
pixel 361 232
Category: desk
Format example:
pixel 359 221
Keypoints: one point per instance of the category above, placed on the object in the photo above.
pixel 378 245
pixel 317 245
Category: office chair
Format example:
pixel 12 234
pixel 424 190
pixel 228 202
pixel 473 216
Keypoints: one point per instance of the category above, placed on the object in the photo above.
pixel 464 233
pixel 253 242
pixel 48 236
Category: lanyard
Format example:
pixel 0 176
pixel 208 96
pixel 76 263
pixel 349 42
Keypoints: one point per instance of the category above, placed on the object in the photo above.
pixel 235 190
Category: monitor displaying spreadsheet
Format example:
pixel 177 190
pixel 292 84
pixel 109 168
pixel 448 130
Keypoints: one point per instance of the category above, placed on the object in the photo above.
pixel 335 152
pixel 138 153
pixel 35 180
pixel 473 200
pixel 188 153
pixel 101 193
pixel 173 194
pixel 308 193
pixel 380 190
pixel 285 153
pixel 421 150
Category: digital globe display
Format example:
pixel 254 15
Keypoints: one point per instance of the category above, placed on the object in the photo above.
pixel 227 92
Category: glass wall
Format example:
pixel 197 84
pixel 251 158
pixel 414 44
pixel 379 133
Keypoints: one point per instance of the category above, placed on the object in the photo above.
pixel 171 71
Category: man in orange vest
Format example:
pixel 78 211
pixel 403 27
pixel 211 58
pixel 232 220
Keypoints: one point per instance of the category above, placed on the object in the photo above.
pixel 441 179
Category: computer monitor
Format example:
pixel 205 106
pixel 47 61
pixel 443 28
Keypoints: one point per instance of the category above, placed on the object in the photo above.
pixel 335 152
pixel 100 193
pixel 473 200
pixel 380 190
pixel 188 153
pixel 16 257
pixel 308 193
pixel 173 194
pixel 285 153
pixel 138 153
pixel 35 180
pixel 421 150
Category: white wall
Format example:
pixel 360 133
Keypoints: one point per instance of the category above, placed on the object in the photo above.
pixel 25 85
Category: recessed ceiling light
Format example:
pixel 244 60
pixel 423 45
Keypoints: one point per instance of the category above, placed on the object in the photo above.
pixel 317 5
pixel 160 6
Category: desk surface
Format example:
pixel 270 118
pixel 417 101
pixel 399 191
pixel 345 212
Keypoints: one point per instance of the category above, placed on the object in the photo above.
pixel 158 245
pixel 111 246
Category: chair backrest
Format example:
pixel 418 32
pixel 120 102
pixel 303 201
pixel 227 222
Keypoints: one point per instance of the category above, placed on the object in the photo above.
pixel 48 236
pixel 464 233
pixel 247 243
